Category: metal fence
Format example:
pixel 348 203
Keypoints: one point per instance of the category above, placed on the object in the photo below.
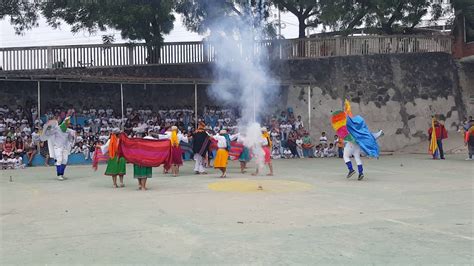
pixel 126 54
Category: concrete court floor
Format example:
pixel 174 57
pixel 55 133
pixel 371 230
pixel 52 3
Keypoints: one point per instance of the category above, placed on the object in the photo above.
pixel 408 210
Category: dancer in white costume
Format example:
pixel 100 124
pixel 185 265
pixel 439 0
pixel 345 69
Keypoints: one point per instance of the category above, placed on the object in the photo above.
pixel 60 141
pixel 353 149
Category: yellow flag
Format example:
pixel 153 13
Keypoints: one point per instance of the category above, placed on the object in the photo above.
pixel 433 143
pixel 347 108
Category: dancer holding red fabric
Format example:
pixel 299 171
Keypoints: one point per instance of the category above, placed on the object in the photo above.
pixel 176 153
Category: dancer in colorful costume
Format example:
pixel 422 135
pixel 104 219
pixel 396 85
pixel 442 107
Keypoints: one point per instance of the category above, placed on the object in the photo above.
pixel 357 137
pixel 60 141
pixel 116 165
pixel 201 143
pixel 222 154
pixel 142 173
pixel 244 156
pixel 266 145
pixel 176 153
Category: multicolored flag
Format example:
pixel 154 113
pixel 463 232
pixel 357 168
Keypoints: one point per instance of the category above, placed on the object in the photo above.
pixel 433 149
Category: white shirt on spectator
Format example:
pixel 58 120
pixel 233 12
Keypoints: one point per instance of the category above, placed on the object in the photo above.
pixel 323 140
pixel 35 137
pixel 27 130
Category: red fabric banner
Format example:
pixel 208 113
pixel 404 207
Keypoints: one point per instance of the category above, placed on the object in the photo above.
pixel 98 157
pixel 145 152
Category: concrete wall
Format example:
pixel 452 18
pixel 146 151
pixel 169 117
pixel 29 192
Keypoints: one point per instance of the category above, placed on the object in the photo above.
pixel 466 81
pixel 398 94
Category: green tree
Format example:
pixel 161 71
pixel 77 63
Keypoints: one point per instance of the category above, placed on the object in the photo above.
pixel 136 20
pixel 23 15
pixel 307 12
pixel 202 16
pixel 380 16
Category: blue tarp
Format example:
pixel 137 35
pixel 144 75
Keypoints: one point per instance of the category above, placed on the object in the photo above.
pixel 362 135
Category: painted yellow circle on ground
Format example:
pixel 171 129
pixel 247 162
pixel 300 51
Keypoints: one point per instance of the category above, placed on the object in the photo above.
pixel 267 185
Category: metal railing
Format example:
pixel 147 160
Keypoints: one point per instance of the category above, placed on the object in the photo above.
pixel 127 54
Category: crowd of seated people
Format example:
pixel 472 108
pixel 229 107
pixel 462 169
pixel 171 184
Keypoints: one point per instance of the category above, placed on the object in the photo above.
pixel 20 129
pixel 292 140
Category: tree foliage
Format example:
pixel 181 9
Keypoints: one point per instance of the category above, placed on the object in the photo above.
pixel 149 20
pixel 136 20
pixel 383 16
pixel 203 16
pixel 23 15
pixel 307 12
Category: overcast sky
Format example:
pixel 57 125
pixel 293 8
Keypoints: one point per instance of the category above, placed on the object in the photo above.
pixel 45 35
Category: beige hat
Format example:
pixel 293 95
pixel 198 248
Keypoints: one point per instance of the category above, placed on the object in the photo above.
pixel 174 128
pixel 264 129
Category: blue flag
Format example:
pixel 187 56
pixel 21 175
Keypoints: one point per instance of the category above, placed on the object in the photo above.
pixel 362 135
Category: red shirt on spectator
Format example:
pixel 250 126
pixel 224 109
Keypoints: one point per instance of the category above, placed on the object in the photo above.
pixel 440 132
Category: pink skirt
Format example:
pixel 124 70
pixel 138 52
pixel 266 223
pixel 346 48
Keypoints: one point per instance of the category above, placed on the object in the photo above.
pixel 176 156
pixel 267 152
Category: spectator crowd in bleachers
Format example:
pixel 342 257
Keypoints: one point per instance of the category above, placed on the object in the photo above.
pixel 20 129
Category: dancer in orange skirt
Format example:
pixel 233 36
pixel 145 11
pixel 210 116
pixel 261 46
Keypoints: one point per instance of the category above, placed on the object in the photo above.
pixel 222 155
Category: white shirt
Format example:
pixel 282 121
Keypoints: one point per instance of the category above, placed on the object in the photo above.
pixel 221 141
pixel 323 139
pixel 27 130
pixel 299 142
pixel 35 137
pixel 181 137
pixel 264 141
pixel 298 124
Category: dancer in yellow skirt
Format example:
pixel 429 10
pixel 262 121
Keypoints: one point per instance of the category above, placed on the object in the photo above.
pixel 222 155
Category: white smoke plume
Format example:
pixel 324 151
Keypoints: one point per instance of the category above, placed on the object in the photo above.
pixel 241 74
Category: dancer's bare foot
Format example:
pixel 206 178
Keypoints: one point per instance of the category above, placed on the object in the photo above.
pixel 144 188
pixel 115 186
pixel 254 174
pixel 270 174
pixel 122 185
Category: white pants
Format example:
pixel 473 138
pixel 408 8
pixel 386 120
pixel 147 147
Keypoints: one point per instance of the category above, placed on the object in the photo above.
pixel 86 154
pixel 60 155
pixel 300 151
pixel 199 164
pixel 352 149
